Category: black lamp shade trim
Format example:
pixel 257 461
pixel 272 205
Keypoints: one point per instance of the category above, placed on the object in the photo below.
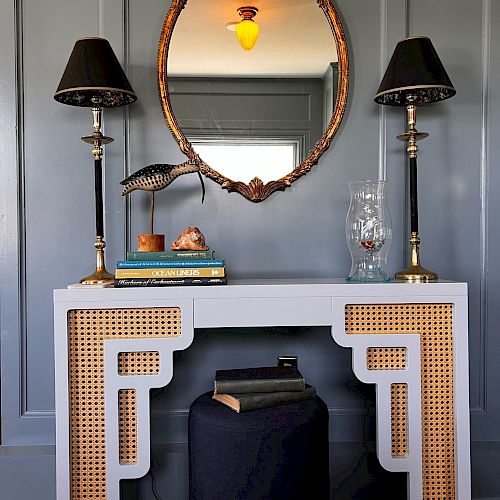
pixel 423 94
pixel 108 98
pixel 93 72
pixel 414 69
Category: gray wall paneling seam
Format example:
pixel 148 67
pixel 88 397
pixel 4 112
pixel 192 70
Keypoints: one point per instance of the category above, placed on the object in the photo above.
pixel 11 214
pixel 392 157
pixel 490 154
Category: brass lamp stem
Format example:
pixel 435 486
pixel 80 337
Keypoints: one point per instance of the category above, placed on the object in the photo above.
pixel 415 272
pixel 97 135
pixel 415 252
pixel 100 275
pixel 411 115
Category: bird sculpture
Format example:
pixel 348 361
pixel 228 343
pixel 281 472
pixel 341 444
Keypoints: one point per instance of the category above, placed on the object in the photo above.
pixel 157 177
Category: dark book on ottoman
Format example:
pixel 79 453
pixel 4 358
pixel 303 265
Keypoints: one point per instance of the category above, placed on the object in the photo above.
pixel 261 379
pixel 255 400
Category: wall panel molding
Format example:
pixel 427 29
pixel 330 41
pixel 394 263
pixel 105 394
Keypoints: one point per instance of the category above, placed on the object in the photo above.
pixel 115 26
pixel 127 235
pixel 382 153
pixel 10 284
pixel 391 167
pixel 21 208
pixel 24 420
pixel 486 425
pixel 482 403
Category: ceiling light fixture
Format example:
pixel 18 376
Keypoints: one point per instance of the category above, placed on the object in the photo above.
pixel 247 30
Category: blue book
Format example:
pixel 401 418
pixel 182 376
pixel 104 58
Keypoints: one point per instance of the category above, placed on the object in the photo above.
pixel 172 255
pixel 145 264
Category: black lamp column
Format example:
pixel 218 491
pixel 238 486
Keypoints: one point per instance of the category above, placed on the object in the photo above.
pixel 415 272
pixel 97 140
pixel 94 78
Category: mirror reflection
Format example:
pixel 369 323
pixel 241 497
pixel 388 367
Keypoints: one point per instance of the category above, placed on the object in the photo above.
pixel 252 112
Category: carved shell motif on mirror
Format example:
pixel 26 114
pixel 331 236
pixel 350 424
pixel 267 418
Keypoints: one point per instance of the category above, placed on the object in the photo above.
pixel 254 119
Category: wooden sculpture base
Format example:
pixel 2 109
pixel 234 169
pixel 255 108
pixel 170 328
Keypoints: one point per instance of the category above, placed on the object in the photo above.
pixel 151 242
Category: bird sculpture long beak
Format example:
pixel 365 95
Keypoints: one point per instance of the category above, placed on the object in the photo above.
pixel 202 186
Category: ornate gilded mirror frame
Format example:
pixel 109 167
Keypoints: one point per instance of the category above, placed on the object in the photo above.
pixel 256 190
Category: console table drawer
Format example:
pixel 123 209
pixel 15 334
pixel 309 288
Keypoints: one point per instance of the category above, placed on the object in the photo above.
pixel 263 311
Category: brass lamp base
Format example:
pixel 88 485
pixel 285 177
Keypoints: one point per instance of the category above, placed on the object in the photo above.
pixel 416 274
pixel 100 275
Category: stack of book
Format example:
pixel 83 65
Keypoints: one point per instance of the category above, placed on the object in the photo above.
pixel 170 268
pixel 248 389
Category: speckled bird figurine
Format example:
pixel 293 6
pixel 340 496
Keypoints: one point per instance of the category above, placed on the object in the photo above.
pixel 157 177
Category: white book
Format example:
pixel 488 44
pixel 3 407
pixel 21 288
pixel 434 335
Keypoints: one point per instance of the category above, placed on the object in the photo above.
pixel 91 285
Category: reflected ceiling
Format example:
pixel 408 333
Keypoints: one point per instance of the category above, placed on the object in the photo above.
pixel 297 33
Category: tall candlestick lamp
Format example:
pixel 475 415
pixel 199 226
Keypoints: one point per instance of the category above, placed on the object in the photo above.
pixel 93 78
pixel 415 75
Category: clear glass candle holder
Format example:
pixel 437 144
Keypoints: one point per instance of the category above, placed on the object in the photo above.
pixel 368 231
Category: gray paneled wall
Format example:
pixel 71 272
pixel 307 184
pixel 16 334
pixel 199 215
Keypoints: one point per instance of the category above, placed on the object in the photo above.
pixel 46 204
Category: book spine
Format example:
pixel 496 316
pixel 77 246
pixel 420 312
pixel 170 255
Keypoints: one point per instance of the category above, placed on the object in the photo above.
pixel 174 272
pixel 172 255
pixel 144 264
pixel 242 386
pixel 152 282
pixel 275 398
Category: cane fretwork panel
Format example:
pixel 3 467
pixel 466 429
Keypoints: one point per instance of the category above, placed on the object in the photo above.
pixel 399 420
pixel 139 363
pixel 87 330
pixel 434 324
pixel 386 358
pixel 127 411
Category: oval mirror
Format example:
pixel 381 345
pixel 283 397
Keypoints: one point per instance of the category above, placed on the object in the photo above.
pixel 255 120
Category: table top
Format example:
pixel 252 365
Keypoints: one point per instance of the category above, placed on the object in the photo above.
pixel 306 287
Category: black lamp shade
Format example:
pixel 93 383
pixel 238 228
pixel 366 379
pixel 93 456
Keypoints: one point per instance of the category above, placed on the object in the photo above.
pixel 414 69
pixel 93 71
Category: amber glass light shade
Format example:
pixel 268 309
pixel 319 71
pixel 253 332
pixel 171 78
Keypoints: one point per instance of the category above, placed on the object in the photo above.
pixel 247 32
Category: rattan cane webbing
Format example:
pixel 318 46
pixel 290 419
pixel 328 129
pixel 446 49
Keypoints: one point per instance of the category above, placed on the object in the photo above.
pixel 127 412
pixel 87 330
pixel 386 358
pixel 434 324
pixel 139 363
pixel 399 420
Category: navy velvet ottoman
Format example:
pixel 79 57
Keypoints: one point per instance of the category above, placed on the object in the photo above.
pixel 278 453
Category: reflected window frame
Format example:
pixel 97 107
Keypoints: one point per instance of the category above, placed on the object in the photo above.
pixel 296 142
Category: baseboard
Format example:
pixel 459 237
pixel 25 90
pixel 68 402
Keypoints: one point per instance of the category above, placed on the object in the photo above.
pixel 37 465
pixel 485 457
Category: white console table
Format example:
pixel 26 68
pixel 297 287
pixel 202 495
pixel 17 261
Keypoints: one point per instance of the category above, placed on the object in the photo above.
pixel 113 345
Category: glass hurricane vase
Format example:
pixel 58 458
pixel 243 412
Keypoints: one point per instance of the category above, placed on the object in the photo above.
pixel 368 231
